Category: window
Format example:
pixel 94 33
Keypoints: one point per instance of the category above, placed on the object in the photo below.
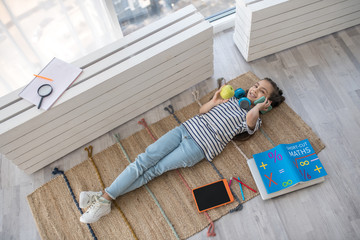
pixel 32 32
pixel 134 14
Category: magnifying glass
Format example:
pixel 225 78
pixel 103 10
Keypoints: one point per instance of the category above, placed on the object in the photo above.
pixel 44 91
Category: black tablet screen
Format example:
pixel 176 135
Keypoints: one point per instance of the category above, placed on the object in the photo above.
pixel 211 195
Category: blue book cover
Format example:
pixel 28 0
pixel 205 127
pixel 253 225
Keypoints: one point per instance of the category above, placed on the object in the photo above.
pixel 288 164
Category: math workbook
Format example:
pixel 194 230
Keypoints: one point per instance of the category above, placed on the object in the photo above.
pixel 285 168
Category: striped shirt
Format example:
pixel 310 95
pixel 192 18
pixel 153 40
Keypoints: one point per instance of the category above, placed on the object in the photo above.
pixel 214 129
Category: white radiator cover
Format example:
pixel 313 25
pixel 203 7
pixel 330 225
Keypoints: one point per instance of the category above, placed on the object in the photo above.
pixel 118 83
pixel 264 27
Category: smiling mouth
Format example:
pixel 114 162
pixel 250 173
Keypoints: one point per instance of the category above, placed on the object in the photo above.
pixel 252 95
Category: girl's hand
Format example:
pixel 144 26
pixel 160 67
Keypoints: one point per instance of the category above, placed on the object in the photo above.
pixel 264 105
pixel 253 114
pixel 217 99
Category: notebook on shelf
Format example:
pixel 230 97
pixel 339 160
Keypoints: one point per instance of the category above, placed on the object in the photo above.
pixel 58 74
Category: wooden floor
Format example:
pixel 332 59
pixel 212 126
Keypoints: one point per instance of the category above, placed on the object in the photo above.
pixel 321 80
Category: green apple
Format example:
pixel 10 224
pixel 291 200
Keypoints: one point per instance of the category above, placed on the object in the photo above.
pixel 227 92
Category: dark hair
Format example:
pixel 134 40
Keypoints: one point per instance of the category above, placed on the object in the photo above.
pixel 276 97
pixel 242 136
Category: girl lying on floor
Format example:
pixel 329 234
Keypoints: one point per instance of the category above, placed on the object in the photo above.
pixel 203 136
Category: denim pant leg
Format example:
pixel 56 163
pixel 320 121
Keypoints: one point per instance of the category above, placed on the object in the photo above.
pixel 173 150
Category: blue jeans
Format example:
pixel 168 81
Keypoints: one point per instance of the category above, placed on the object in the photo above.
pixel 175 149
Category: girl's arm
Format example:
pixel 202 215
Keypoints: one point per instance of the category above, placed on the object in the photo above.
pixel 253 115
pixel 216 100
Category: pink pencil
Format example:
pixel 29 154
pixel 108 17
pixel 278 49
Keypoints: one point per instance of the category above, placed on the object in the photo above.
pixel 230 182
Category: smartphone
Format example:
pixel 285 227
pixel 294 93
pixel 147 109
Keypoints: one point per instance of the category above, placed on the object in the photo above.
pixel 260 100
pixel 212 195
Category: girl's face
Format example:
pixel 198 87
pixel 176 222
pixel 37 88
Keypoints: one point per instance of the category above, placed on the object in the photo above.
pixel 261 88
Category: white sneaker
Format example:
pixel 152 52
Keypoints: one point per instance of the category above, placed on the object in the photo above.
pixel 99 208
pixel 87 198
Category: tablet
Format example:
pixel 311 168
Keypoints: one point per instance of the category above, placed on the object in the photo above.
pixel 212 195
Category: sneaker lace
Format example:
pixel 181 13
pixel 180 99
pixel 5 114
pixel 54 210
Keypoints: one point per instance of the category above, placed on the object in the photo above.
pixel 94 203
pixel 92 199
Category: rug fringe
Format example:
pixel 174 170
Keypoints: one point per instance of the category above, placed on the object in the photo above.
pixel 57 171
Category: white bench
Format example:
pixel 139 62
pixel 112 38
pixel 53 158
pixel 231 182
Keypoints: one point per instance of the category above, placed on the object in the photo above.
pixel 118 83
pixel 264 27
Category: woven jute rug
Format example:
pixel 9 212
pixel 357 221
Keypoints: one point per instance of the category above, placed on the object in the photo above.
pixel 57 216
